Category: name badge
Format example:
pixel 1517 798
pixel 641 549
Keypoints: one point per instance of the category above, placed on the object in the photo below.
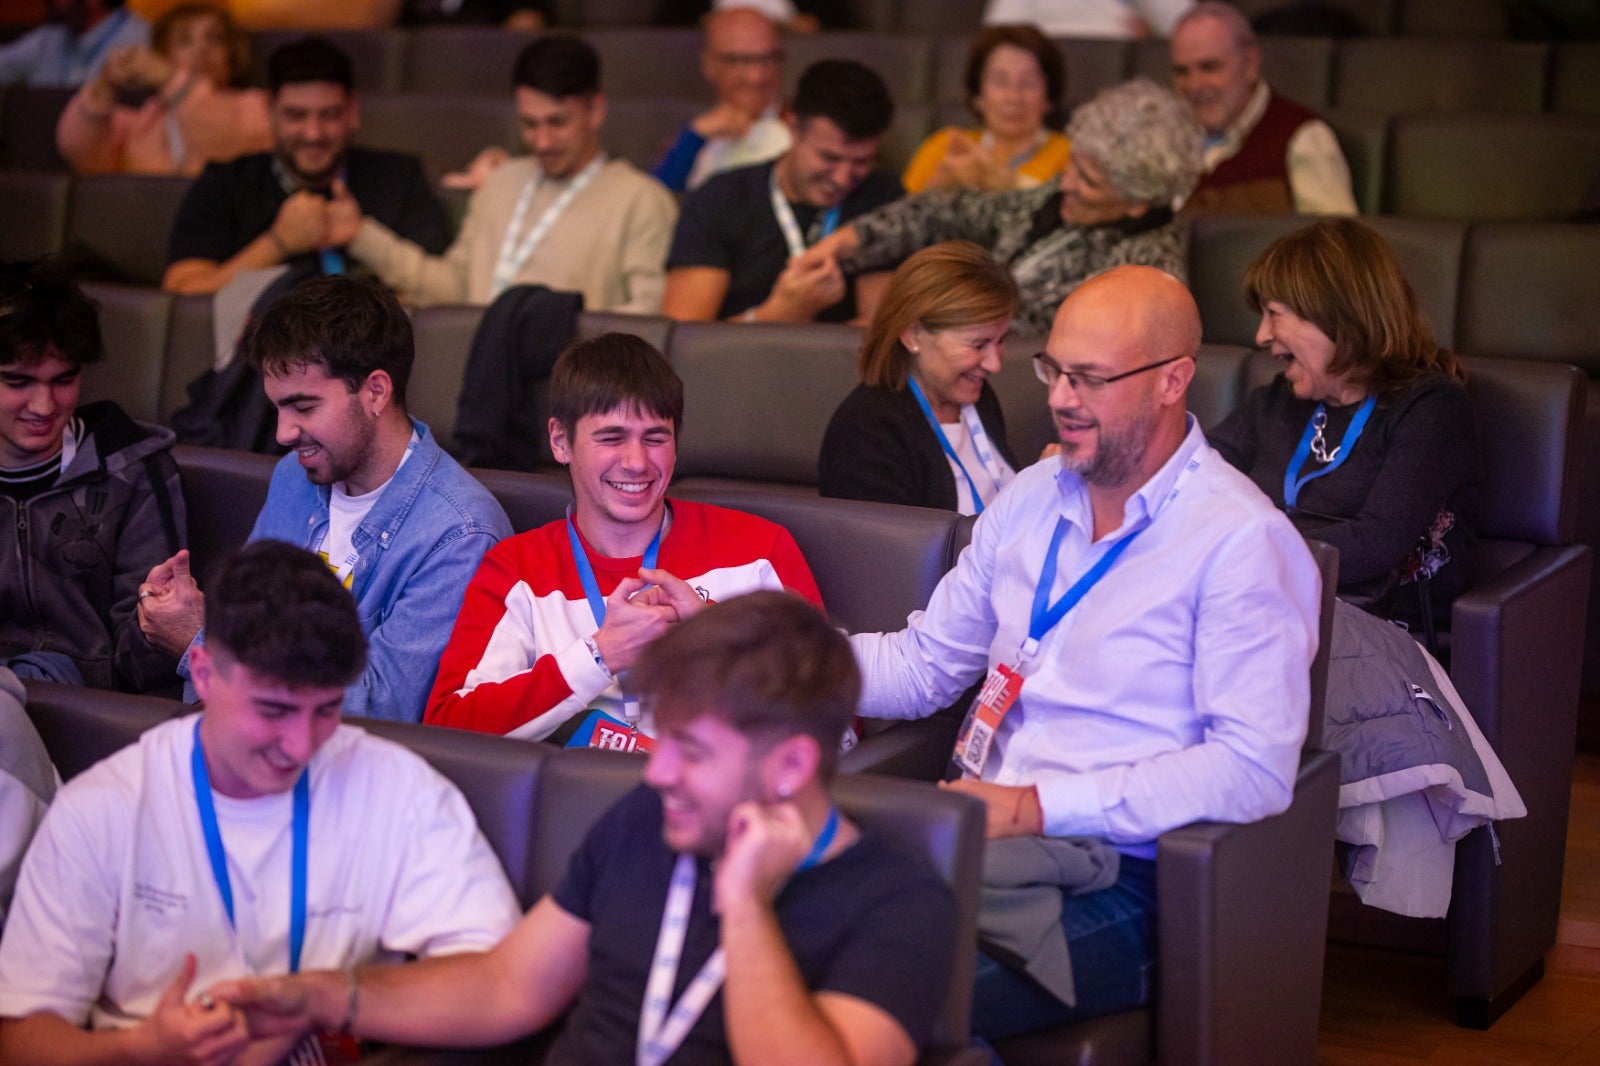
pixel 600 730
pixel 999 692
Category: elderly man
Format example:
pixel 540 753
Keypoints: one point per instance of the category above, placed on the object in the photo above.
pixel 742 59
pixel 808 939
pixel 1161 674
pixel 1263 153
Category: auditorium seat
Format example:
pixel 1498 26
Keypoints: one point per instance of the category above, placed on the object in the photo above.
pixel 649 63
pixel 641 130
pixel 224 491
pixel 133 324
pixel 462 59
pixel 758 396
pixel 1482 19
pixel 909 128
pixel 945 17
pixel 1222 246
pixel 35 213
pixel 902 60
pixel 445 130
pixel 1364 138
pixel 1488 167
pixel 1414 74
pixel 1575 77
pixel 377 56
pixel 28 128
pixel 190 350
pixel 443 335
pixel 121 223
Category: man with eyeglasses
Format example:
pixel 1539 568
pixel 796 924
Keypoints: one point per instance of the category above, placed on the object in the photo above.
pixel 1146 620
pixel 743 61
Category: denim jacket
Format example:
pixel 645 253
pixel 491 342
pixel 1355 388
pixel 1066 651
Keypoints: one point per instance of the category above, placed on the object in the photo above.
pixel 419 546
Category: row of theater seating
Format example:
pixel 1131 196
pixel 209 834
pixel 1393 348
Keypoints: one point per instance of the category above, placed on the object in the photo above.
pixel 1466 165
pixel 757 398
pixel 1226 890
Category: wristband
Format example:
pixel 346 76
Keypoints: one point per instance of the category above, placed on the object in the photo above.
pixel 277 242
pixel 599 660
pixel 352 998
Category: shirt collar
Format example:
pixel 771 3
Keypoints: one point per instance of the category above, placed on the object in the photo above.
pixel 1227 143
pixel 1145 505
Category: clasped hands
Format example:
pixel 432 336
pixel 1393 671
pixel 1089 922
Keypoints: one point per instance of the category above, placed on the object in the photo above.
pixel 638 611
pixel 172 609
pixel 308 220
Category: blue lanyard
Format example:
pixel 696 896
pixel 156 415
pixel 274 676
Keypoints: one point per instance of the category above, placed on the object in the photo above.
pixel 591 588
pixel 824 838
pixel 108 33
pixel 1046 614
pixel 1293 481
pixel 332 261
pixel 219 855
pixel 830 222
pixel 944 442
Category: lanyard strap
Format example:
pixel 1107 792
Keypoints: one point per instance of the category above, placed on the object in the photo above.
pixel 660 1032
pixel 975 431
pixel 1045 614
pixel 986 142
pixel 515 253
pixel 591 587
pixel 1293 480
pixel 826 224
pixel 219 855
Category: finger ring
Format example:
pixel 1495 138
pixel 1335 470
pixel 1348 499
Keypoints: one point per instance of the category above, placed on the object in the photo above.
pixel 146 592
pixel 206 1001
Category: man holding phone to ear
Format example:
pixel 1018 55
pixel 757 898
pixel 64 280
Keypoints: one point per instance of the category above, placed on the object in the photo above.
pixel 807 940
pixel 301 202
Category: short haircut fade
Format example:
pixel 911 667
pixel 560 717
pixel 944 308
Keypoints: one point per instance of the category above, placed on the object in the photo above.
pixel 306 60
pixel 613 370
pixel 558 65
pixel 349 328
pixel 848 94
pixel 43 312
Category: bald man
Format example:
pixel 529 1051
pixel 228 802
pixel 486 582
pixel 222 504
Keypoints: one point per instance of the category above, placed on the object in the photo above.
pixel 1146 620
pixel 1263 153
pixel 743 61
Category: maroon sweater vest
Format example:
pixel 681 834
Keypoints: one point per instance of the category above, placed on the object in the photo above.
pixel 1256 179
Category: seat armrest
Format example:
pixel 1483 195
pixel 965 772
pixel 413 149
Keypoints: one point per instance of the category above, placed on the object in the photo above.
pixel 1516 659
pixel 918 749
pixel 1242 919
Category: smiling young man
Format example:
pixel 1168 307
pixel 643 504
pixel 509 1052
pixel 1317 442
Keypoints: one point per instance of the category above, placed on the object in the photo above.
pixel 365 485
pixel 173 863
pixel 292 205
pixel 89 499
pixel 800 938
pixel 565 216
pixel 555 617
pixel 733 255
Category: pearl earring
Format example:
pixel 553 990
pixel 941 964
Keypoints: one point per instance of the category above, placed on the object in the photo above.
pixel 784 791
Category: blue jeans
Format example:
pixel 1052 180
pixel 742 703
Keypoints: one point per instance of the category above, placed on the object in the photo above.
pixel 1111 939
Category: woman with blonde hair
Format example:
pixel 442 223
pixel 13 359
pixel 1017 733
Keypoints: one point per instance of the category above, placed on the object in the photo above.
pixel 924 427
pixel 1367 437
pixel 169 108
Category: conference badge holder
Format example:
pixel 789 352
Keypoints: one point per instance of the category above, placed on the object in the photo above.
pixel 1000 690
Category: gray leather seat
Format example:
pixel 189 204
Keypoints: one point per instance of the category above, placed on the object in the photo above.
pixel 1411 74
pixel 35 213
pixel 377 56
pixel 133 324
pixel 445 130
pixel 124 221
pixel 1491 167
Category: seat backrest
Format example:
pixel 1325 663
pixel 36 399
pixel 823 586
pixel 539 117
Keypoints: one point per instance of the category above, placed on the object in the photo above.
pixel 80 725
pixel 902 60
pixel 757 397
pixel 640 130
pixel 577 785
pixel 191 348
pixel 1491 167
pixel 36 213
pixel 1222 247
pixel 1575 78
pixel 499 778
pixel 911 126
pixel 445 130
pixel 443 335
pixel 223 492
pixel 874 563
pixel 1364 139
pixel 377 56
pixel 649 63
pixel 1218 383
pixel 655 330
pixel 1092 64
pixel 530 498
pixel 1532 291
pixel 123 222
pixel 133 323
pixel 1413 74
pixel 1483 19
pixel 462 59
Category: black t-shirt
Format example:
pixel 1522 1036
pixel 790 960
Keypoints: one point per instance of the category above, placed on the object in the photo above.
pixel 728 223
pixel 231 204
pixel 873 923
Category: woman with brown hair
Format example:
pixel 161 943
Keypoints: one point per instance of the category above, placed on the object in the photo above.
pixel 924 427
pixel 169 108
pixel 1367 437
pixel 1014 78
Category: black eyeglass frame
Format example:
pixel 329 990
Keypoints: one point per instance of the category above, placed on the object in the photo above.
pixel 1049 372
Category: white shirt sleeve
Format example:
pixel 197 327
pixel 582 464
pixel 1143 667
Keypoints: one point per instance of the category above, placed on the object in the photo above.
pixel 1319 177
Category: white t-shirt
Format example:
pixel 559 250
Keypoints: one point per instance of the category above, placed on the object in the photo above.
pixel 118 885
pixel 345 514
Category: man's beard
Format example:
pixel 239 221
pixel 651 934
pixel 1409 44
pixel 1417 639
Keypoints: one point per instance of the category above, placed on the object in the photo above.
pixel 1118 454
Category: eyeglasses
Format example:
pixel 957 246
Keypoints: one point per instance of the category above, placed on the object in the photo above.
pixel 1049 371
pixel 749 59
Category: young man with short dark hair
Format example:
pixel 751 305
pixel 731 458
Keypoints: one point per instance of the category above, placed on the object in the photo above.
pixel 795 936
pixel 565 216
pixel 734 250
pixel 89 499
pixel 400 523
pixel 258 837
pixel 556 617
pixel 296 205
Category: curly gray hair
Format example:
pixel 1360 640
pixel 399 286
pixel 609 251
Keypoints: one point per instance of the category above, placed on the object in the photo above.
pixel 1146 139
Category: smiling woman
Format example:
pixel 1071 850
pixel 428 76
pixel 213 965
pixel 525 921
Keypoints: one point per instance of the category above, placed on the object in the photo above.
pixel 923 427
